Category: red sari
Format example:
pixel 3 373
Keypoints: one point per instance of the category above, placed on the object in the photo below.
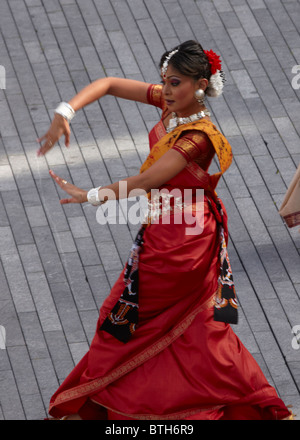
pixel 180 364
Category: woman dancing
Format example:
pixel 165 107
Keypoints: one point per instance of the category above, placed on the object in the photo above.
pixel 164 347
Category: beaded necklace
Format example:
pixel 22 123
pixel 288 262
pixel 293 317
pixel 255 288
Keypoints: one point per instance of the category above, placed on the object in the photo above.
pixel 175 120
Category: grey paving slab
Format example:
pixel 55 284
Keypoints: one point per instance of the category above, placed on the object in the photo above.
pixel 57 264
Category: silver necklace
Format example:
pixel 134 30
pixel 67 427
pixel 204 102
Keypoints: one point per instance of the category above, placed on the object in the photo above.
pixel 175 120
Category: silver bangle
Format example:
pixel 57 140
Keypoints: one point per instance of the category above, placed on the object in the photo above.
pixel 65 110
pixel 93 197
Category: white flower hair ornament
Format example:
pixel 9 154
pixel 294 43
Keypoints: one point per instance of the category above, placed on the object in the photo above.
pixel 216 84
pixel 217 79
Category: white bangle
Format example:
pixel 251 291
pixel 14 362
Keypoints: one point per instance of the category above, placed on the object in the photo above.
pixel 93 197
pixel 65 110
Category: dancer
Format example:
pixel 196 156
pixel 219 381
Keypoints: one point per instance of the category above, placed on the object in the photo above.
pixel 164 347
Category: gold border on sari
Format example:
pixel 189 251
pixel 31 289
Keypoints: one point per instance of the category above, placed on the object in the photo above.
pixel 96 385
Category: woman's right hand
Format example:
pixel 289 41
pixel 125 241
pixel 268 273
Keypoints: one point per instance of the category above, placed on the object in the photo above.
pixel 59 127
pixel 78 195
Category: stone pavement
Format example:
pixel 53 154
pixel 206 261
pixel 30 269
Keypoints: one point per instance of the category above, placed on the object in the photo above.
pixel 57 263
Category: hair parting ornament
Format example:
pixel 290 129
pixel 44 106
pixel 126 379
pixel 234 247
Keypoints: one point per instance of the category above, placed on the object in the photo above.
pixel 166 63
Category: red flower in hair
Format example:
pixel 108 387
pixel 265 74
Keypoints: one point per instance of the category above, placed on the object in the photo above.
pixel 214 61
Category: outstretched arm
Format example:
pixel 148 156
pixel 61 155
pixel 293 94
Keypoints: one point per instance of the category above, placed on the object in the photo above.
pixel 167 167
pixel 119 87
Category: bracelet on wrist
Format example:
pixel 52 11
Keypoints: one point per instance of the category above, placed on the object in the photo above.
pixel 65 110
pixel 93 197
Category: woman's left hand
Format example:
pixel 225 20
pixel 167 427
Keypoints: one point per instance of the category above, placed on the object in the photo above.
pixel 77 195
